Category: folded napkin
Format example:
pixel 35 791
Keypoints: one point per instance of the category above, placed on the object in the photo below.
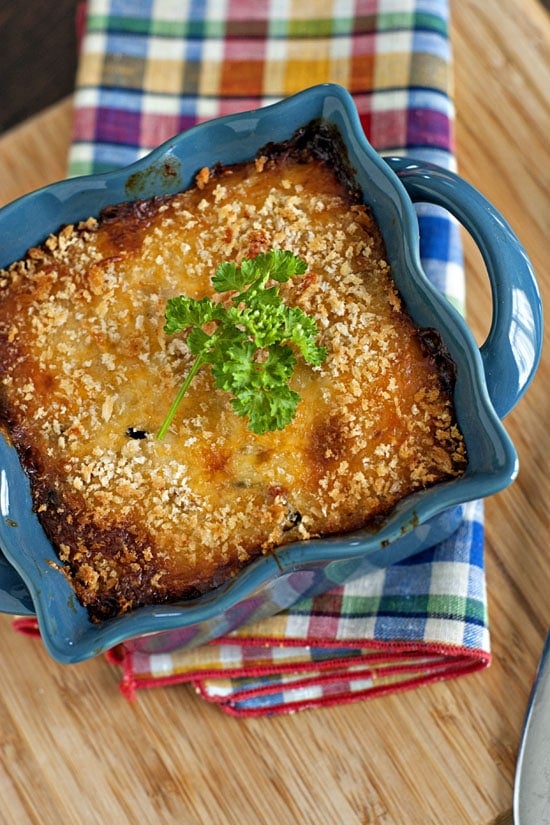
pixel 151 69
pixel 416 622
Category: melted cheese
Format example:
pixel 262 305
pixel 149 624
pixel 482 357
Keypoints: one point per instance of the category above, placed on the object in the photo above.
pixel 86 367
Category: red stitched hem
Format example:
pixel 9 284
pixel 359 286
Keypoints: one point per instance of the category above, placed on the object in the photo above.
pixel 232 707
pixel 461 662
pixel 400 646
pixel 26 625
pixel 339 664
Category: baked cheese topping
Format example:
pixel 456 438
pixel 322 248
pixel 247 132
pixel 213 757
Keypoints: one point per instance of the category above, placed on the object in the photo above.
pixel 88 373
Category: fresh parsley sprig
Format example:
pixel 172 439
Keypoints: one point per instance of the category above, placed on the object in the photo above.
pixel 251 343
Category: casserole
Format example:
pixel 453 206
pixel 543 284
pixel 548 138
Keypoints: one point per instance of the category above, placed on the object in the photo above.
pixel 489 381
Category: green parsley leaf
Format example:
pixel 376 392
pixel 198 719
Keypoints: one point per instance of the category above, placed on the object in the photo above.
pixel 301 329
pixel 228 278
pixel 235 371
pixel 266 410
pixel 250 343
pixel 183 312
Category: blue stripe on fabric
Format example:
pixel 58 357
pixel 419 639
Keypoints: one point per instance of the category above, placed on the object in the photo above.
pixel 414 583
pixel 132 8
pixel 464 545
pixel 271 700
pixel 430 42
pixel 474 636
pixel 121 46
pixel 197 9
pixel 477 545
pixel 393 626
pixel 437 8
pixel 420 618
pixel 193 49
pixel 132 100
pixel 476 583
pixel 421 97
pixel 436 272
pixel 435 241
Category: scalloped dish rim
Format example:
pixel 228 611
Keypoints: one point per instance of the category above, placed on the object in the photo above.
pixel 67 633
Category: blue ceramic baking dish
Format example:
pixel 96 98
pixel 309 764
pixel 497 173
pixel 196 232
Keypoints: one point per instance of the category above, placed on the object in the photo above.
pixel 490 380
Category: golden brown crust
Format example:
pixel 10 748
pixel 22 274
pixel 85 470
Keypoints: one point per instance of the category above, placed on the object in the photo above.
pixel 87 374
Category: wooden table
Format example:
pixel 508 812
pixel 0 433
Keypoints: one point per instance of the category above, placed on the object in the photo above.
pixel 72 749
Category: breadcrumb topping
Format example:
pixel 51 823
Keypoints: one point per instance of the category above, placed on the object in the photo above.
pixel 87 374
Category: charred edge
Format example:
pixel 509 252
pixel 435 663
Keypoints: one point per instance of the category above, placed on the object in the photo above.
pixel 433 346
pixel 322 140
pixel 140 210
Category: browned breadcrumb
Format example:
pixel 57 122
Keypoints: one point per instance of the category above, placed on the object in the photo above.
pixel 202 177
pixel 87 373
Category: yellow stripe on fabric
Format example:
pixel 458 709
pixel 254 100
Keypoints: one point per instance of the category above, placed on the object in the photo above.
pixel 220 658
pixel 163 77
pixel 278 628
pixel 427 70
pixel 166 67
pixel 90 70
pixel 293 65
pixel 398 70
pixel 181 662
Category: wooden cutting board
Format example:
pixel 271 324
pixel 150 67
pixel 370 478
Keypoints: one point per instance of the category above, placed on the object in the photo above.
pixel 73 750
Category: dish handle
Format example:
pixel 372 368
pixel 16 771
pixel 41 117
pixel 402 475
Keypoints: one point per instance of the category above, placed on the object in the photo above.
pixel 512 349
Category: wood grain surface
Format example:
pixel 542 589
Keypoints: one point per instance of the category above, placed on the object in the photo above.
pixel 72 749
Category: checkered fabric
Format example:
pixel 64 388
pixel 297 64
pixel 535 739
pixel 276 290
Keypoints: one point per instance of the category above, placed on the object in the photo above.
pixel 151 68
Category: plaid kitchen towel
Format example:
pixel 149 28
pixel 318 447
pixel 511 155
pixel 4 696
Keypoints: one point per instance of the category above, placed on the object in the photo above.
pixel 151 68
